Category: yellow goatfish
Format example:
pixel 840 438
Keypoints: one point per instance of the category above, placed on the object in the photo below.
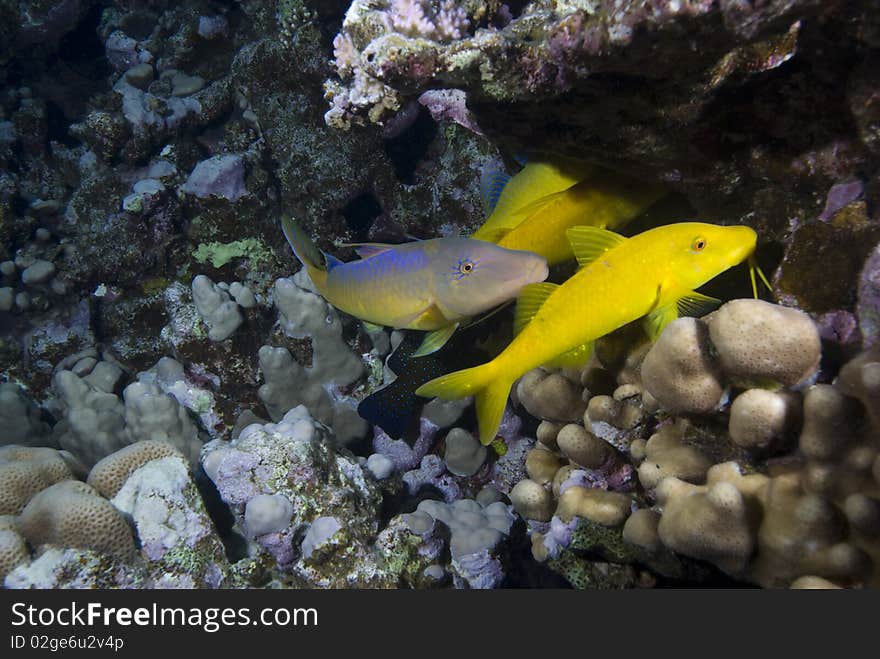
pixel 653 274
pixel 505 195
pixel 422 285
pixel 607 201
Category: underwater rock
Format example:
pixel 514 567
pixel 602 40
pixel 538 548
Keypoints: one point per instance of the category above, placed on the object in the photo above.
pixel 177 538
pixel 295 459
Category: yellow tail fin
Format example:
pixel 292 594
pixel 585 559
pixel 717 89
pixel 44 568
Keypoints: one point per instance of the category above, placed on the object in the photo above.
pixel 482 382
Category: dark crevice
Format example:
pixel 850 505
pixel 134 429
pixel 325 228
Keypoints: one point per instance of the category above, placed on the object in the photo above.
pixel 82 48
pixel 57 124
pixel 359 214
pixel 409 147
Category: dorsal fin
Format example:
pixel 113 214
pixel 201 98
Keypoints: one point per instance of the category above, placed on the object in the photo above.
pixel 492 182
pixel 589 243
pixel 368 250
pixel 531 298
pixel 524 212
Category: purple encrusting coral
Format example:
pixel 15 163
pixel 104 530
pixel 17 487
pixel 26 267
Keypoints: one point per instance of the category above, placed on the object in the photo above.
pixel 220 176
pixel 402 455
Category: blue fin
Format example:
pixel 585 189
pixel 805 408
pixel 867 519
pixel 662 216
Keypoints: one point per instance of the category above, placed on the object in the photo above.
pixel 435 340
pixel 589 243
pixel 331 260
pixel 492 182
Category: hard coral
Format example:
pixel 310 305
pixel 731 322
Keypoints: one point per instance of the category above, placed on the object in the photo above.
pixel 73 514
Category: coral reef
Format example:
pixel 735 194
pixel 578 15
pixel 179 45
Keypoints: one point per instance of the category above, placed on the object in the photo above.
pixel 180 408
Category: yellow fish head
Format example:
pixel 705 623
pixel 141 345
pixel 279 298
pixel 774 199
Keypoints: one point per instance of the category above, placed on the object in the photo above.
pixel 473 276
pixel 701 251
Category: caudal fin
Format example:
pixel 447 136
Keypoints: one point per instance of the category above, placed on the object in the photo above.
pixel 484 383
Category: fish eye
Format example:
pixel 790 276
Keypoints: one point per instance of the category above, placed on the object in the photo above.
pixel 465 267
pixel 699 244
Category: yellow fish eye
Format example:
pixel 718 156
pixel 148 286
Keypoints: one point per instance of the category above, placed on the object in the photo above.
pixel 699 244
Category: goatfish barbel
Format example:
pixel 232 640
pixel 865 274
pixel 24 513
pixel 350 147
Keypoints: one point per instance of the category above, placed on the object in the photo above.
pixel 421 285
pixel 652 274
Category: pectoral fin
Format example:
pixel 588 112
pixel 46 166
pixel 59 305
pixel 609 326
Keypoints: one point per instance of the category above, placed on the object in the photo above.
pixel 435 340
pixel 589 243
pixel 689 304
pixel 531 298
pixel 696 304
pixel 658 319
pixel 426 318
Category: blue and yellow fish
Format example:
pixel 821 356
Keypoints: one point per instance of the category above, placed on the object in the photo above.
pixel 421 285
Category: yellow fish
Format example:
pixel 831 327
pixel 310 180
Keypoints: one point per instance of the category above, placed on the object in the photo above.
pixel 422 285
pixel 653 274
pixel 504 195
pixel 607 201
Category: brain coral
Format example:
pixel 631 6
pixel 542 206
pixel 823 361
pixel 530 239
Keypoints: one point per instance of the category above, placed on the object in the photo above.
pixel 73 514
pixel 24 471
pixel 108 475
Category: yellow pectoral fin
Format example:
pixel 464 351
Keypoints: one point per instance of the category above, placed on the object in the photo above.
pixel 435 340
pixel 428 318
pixel 530 300
pixel 696 304
pixel 690 304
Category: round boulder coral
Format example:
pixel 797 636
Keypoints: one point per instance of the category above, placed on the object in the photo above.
pixel 760 418
pixel 25 471
pixel 582 447
pixel 711 524
pixel 73 514
pixel 759 342
pixel 532 501
pixel 464 454
pixel 679 371
pixel 605 508
pixel 550 396
pixel 13 552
